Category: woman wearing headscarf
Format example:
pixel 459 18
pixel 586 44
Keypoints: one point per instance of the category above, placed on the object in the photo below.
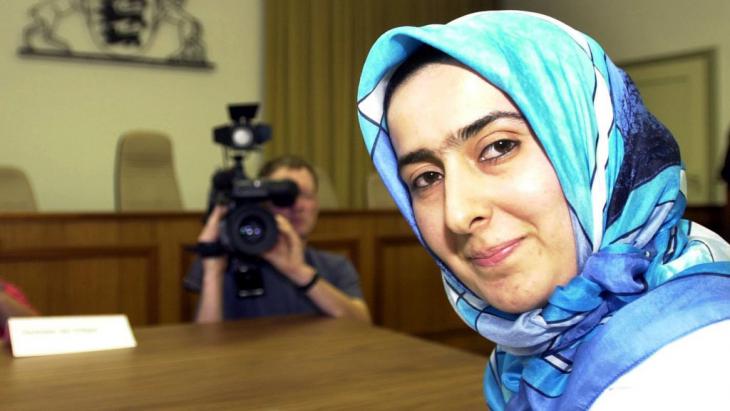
pixel 551 199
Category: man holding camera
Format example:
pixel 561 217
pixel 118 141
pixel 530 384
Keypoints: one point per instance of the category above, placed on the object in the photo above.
pixel 296 279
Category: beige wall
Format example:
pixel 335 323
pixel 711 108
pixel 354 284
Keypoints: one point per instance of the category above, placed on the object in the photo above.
pixel 632 30
pixel 60 120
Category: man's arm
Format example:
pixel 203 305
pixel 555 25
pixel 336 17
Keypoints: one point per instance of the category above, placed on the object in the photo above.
pixel 338 304
pixel 287 256
pixel 210 308
pixel 330 299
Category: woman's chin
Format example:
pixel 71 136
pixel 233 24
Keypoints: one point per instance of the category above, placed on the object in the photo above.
pixel 517 308
pixel 515 303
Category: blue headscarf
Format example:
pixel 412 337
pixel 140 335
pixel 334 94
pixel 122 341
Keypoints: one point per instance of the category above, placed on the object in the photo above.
pixel 619 169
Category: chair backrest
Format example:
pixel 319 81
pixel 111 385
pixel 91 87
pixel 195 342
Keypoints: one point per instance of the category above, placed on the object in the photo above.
pixel 16 193
pixel 145 173
pixel 326 191
pixel 378 196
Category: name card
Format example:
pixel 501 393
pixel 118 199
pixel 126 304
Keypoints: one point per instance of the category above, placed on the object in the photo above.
pixel 33 336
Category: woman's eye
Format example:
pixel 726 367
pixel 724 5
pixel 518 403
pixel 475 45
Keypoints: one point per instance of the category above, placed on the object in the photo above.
pixel 425 180
pixel 497 149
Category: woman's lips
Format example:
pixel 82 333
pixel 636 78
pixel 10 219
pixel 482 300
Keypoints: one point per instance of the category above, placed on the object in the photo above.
pixel 495 255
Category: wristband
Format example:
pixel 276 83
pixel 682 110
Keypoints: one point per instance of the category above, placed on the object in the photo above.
pixel 206 249
pixel 304 288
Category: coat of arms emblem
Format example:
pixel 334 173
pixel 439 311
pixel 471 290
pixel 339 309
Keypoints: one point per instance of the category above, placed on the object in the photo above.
pixel 120 30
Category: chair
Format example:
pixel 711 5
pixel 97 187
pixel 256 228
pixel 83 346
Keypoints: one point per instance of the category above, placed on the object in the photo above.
pixel 16 193
pixel 378 196
pixel 326 191
pixel 145 174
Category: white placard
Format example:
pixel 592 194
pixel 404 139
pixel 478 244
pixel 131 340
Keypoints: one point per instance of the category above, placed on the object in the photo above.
pixel 33 336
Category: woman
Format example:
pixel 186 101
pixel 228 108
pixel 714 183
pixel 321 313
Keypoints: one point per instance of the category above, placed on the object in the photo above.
pixel 551 199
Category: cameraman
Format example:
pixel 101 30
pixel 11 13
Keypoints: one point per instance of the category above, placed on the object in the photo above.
pixel 297 279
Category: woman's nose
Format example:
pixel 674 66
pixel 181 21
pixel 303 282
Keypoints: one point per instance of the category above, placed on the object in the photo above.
pixel 467 205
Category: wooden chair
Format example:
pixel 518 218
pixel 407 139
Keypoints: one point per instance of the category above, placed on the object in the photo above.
pixel 16 193
pixel 145 174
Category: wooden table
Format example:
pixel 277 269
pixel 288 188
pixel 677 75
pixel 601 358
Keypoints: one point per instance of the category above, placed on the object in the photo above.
pixel 294 363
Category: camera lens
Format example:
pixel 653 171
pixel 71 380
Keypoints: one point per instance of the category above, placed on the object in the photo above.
pixel 252 229
pixel 249 230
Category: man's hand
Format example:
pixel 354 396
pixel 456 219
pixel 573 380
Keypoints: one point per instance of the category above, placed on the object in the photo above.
pixel 287 256
pixel 211 234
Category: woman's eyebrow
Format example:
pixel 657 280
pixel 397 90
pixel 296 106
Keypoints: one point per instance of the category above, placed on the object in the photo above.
pixel 418 156
pixel 470 130
pixel 464 133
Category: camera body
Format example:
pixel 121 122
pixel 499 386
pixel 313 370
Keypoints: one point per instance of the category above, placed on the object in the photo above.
pixel 249 228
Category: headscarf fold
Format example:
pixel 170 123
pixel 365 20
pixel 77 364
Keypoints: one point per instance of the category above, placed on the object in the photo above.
pixel 619 169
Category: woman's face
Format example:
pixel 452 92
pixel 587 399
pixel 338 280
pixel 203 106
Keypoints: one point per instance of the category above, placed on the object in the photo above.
pixel 484 194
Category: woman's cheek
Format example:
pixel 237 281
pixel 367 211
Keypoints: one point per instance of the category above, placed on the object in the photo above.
pixel 535 191
pixel 429 224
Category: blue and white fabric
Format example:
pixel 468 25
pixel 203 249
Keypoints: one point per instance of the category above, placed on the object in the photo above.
pixel 619 169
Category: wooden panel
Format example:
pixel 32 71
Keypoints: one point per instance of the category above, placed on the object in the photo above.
pixel 97 263
pixel 87 280
pixel 411 297
pixel 410 291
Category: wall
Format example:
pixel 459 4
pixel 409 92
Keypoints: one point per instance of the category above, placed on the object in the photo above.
pixel 60 119
pixel 634 30
pixel 53 108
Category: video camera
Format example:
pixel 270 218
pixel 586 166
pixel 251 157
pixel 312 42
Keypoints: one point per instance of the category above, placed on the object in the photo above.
pixel 248 229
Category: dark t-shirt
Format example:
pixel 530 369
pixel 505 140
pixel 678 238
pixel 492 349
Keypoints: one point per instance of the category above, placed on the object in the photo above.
pixel 281 297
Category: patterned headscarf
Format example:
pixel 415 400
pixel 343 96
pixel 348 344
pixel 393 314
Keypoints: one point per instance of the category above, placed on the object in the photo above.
pixel 619 169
